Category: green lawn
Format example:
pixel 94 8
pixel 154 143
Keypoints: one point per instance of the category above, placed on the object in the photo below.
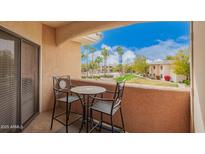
pixel 130 78
pixel 153 82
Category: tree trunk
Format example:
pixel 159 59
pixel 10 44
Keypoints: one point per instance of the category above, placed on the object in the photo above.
pixel 105 68
pixel 87 69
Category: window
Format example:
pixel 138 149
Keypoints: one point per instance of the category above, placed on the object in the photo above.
pixel 161 67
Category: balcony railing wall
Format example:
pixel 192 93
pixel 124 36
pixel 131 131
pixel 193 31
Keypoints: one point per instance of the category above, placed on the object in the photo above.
pixel 150 110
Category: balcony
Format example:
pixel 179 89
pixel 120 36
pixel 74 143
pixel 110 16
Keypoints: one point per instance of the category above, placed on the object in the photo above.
pixel 153 110
pixel 145 108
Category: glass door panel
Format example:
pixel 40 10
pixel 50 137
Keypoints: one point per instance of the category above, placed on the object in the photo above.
pixel 9 85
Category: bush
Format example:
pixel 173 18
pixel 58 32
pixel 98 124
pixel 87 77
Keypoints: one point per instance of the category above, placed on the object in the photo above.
pixel 125 77
pixel 167 78
pixel 187 82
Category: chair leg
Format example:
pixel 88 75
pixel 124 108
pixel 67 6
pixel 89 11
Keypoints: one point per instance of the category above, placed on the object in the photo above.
pixel 123 126
pixel 101 119
pixel 91 118
pixel 54 108
pixel 112 124
pixel 66 117
pixel 69 110
pixel 81 127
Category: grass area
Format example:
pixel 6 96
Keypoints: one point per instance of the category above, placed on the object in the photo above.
pixel 153 82
pixel 130 78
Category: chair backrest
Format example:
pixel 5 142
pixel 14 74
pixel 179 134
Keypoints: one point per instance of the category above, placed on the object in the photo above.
pixel 119 90
pixel 61 83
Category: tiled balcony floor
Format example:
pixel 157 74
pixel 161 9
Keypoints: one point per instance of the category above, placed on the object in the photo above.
pixel 41 124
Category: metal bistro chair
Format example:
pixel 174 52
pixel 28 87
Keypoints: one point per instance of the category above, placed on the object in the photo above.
pixel 61 88
pixel 108 106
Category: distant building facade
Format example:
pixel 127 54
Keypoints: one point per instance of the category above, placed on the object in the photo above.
pixel 158 70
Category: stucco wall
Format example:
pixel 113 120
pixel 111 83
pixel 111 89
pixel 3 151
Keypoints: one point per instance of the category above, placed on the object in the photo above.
pixel 28 29
pixel 150 110
pixel 57 60
pixel 199 75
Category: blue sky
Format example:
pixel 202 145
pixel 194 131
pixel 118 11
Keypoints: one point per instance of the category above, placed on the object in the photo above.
pixel 155 40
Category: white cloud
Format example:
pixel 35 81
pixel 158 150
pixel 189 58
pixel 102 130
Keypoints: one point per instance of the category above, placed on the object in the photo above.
pixel 183 38
pixel 113 59
pixel 128 57
pixel 162 49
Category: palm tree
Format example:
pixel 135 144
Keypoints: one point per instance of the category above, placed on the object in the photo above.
pixel 105 54
pixel 120 52
pixel 85 56
pixel 99 60
pixel 92 50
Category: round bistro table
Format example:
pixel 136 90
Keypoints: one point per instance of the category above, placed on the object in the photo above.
pixel 86 91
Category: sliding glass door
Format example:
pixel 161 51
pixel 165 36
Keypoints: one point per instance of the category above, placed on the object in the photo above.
pixel 29 80
pixel 9 85
pixel 19 81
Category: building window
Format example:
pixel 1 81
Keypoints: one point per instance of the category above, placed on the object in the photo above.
pixel 161 76
pixel 161 67
pixel 154 67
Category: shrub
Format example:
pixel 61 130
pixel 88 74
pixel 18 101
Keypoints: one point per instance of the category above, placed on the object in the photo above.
pixel 187 82
pixel 125 77
pixel 167 78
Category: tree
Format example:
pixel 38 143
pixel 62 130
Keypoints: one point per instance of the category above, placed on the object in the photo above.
pixel 90 50
pixel 128 68
pixel 98 60
pixel 181 64
pixel 85 56
pixel 170 58
pixel 105 54
pixel 120 52
pixel 116 68
pixel 140 65
pixel 84 67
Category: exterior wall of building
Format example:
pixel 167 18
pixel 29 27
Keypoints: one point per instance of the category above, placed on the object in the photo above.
pixel 148 110
pixel 199 76
pixel 165 70
pixel 154 70
pixel 57 60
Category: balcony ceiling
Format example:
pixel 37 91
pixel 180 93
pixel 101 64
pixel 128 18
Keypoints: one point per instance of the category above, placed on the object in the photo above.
pixel 56 24
pixel 66 30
